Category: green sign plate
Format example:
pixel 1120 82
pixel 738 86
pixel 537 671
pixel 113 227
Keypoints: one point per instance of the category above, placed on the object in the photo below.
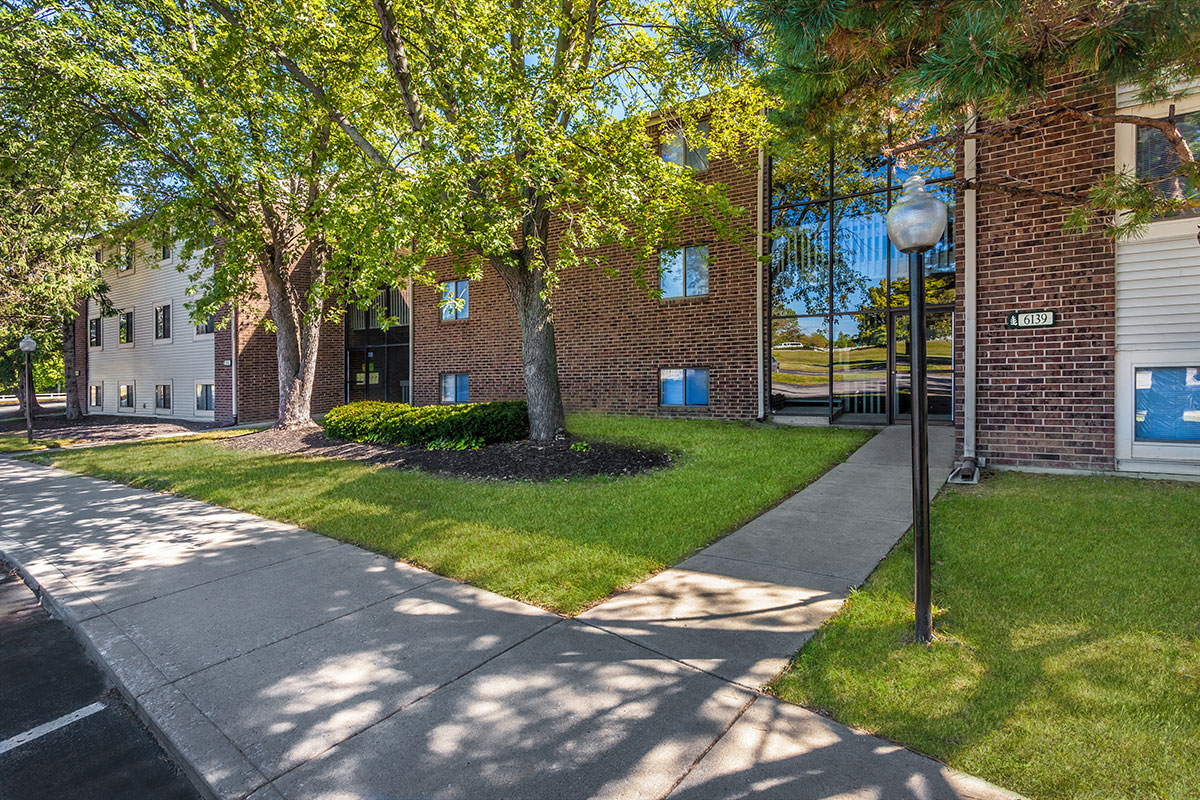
pixel 1031 319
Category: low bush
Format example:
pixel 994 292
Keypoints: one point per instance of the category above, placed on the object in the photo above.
pixel 473 424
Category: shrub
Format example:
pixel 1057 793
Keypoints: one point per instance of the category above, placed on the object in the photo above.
pixel 399 423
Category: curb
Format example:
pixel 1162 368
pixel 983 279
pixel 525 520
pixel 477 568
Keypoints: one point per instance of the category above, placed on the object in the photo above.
pixel 135 678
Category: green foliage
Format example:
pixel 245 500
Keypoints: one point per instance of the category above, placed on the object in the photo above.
pixel 581 447
pixel 451 427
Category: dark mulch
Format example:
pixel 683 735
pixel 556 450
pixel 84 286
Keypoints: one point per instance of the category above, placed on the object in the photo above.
pixel 106 428
pixel 524 460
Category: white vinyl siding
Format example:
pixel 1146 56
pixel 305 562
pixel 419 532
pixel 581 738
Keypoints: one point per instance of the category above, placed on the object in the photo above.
pixel 182 361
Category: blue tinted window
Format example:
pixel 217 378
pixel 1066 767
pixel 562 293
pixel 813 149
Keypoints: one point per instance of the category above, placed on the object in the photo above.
pixel 671 387
pixel 456 298
pixel 696 387
pixel 461 392
pixel 683 272
pixel 670 273
pixel 683 387
pixel 1167 404
pixel 455 388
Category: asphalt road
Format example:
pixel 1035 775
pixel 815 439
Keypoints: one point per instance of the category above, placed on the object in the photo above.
pixel 63 733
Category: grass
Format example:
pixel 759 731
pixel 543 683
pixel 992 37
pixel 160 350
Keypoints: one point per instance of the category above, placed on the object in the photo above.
pixel 561 545
pixel 1070 663
pixel 18 443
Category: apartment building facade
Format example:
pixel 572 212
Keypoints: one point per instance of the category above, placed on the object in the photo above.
pixel 801 315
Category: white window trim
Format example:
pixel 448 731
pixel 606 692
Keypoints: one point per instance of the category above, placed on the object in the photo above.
pixel 126 345
pixel 103 338
pixel 154 333
pixel 132 409
pixel 1125 145
pixel 201 337
pixel 160 412
pixel 1150 456
pixel 196 412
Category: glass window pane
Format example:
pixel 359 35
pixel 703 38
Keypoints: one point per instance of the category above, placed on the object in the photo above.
pixel 461 391
pixel 697 270
pixel 696 388
pixel 800 363
pixel 860 364
pixel 447 301
pixel 447 388
pixel 464 295
pixel 1156 159
pixel 1167 404
pixel 799 171
pixel 697 148
pixel 672 147
pixel 860 253
pixel 670 273
pixel 800 261
pixel 671 387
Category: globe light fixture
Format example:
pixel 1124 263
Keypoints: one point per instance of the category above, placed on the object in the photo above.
pixel 915 223
pixel 27 345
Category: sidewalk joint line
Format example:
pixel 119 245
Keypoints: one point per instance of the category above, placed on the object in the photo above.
pixel 773 566
pixel 708 749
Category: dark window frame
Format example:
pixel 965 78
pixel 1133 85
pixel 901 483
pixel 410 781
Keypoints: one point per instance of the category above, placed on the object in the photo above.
pixel 683 251
pixel 702 126
pixel 96 395
pixel 459 314
pixel 205 397
pixel 162 397
pixel 162 322
pixel 208 327
pixel 125 328
pixel 685 404
pixel 130 396
pixel 441 388
pixel 96 332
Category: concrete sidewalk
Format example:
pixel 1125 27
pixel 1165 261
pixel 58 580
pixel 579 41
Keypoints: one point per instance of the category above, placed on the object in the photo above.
pixel 278 663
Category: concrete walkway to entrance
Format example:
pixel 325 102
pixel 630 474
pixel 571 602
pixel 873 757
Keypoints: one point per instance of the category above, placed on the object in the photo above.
pixel 275 662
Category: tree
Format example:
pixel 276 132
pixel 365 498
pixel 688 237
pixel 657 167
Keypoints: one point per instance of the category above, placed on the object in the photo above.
pixel 231 159
pixel 847 69
pixel 59 188
pixel 513 135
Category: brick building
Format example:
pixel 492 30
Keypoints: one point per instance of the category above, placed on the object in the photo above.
pixel 803 315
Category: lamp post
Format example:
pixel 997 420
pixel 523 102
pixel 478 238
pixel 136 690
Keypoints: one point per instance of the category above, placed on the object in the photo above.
pixel 28 345
pixel 916 223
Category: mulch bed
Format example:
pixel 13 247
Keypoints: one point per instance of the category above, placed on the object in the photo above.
pixel 524 460
pixel 106 428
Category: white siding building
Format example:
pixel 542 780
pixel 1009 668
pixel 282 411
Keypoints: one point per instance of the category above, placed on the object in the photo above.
pixel 148 359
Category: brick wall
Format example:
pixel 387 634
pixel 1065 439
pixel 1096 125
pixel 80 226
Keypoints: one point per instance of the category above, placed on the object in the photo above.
pixel 1045 397
pixel 612 337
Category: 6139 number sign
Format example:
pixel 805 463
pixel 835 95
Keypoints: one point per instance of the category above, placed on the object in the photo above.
pixel 1031 319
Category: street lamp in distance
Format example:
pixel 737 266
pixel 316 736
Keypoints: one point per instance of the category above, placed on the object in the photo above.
pixel 915 223
pixel 27 346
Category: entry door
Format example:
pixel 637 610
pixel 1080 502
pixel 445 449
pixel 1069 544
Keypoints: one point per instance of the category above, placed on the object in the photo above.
pixel 366 374
pixel 939 363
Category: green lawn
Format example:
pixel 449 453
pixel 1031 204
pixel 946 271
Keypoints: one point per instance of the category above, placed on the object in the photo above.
pixel 560 545
pixel 1070 664
pixel 17 443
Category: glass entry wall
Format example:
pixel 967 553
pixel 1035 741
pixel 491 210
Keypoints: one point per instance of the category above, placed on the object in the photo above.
pixel 838 287
pixel 378 349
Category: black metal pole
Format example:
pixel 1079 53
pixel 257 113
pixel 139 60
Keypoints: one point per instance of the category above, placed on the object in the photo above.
pixel 29 399
pixel 920 447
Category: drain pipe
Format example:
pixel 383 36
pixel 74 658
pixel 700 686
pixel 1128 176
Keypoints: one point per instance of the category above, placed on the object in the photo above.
pixel 968 469
pixel 759 304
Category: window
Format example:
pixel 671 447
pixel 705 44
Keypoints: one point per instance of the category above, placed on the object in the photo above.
pixel 683 387
pixel 456 299
pixel 99 256
pixel 125 396
pixel 1158 161
pixel 683 272
pixel 126 264
pixel 94 332
pixel 162 322
pixel 1167 404
pixel 162 396
pixel 164 250
pixel 208 326
pixel 678 150
pixel 455 388
pixel 125 327
pixel 204 397
pixel 96 396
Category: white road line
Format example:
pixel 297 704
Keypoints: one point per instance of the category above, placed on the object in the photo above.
pixel 49 727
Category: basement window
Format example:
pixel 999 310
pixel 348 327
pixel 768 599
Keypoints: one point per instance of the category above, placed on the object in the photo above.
pixel 455 387
pixel 683 387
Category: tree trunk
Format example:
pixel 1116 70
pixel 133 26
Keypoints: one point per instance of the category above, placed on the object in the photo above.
pixel 538 355
pixel 25 393
pixel 297 336
pixel 74 407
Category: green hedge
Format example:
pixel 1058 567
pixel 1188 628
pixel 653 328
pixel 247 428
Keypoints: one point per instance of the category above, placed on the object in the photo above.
pixel 400 423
